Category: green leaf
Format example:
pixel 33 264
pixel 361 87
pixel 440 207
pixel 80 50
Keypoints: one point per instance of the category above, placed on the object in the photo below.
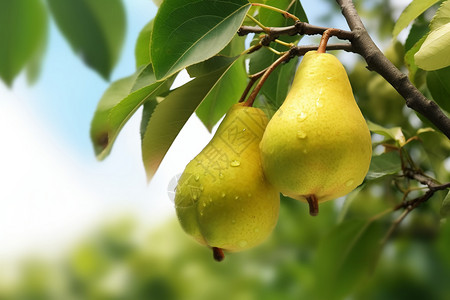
pixel 272 18
pixel 210 66
pixel 438 83
pixel 411 12
pixel 346 257
pixel 383 165
pixel 119 103
pixel 418 30
pixel 23 30
pixel 277 85
pixel 235 47
pixel 433 54
pixel 100 126
pixel 188 32
pixel 147 111
pixel 94 29
pixel 142 48
pixel 34 65
pixel 410 62
pixel 394 133
pixel 226 92
pixel 445 208
pixel 169 117
pixel 441 17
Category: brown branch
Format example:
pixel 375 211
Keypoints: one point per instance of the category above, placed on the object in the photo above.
pixel 299 27
pixel 376 61
pixel 432 184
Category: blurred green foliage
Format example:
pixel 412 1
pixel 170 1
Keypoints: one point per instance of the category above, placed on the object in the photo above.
pixel 296 262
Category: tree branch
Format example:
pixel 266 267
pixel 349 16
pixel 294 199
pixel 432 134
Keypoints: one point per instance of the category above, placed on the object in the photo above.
pixel 376 61
pixel 299 27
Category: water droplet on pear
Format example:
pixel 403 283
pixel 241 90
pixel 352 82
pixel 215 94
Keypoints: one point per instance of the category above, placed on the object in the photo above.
pixel 235 163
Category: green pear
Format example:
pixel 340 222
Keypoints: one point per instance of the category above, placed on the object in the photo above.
pixel 317 146
pixel 222 198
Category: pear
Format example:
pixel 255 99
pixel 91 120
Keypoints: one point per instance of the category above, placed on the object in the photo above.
pixel 317 146
pixel 222 198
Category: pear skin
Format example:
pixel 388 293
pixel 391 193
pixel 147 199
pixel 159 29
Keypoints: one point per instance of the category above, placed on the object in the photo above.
pixel 317 145
pixel 222 198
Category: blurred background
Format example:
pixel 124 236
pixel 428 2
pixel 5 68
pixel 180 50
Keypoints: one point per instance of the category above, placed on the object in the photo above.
pixel 75 228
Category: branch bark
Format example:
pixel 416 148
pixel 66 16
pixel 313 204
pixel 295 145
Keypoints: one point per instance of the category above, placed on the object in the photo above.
pixel 376 61
pixel 299 27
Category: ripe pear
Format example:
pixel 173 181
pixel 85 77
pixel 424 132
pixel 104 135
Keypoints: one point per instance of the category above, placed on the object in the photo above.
pixel 317 146
pixel 222 198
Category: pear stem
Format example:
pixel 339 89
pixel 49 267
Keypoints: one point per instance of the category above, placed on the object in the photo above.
pixel 218 254
pixel 253 79
pixel 313 204
pixel 264 77
pixel 325 37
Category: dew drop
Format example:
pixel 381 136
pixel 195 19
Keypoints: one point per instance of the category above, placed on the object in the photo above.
pixel 204 204
pixel 194 197
pixel 220 175
pixel 243 129
pixel 210 200
pixel 349 182
pixel 249 194
pixel 301 134
pixel 197 177
pixel 301 117
pixel 235 163
pixel 242 243
pixel 237 197
pixel 223 195
pixel 201 213
pixel 305 151
pixel 319 103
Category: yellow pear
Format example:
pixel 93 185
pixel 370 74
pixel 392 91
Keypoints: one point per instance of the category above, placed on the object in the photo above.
pixel 317 146
pixel 222 198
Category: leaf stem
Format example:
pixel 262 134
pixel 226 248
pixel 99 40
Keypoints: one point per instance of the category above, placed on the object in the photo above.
pixel 283 12
pixel 257 22
pixel 274 51
pixel 290 45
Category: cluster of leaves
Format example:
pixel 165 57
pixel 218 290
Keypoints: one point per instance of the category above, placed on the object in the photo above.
pixel 95 36
pixel 200 37
pixel 426 47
